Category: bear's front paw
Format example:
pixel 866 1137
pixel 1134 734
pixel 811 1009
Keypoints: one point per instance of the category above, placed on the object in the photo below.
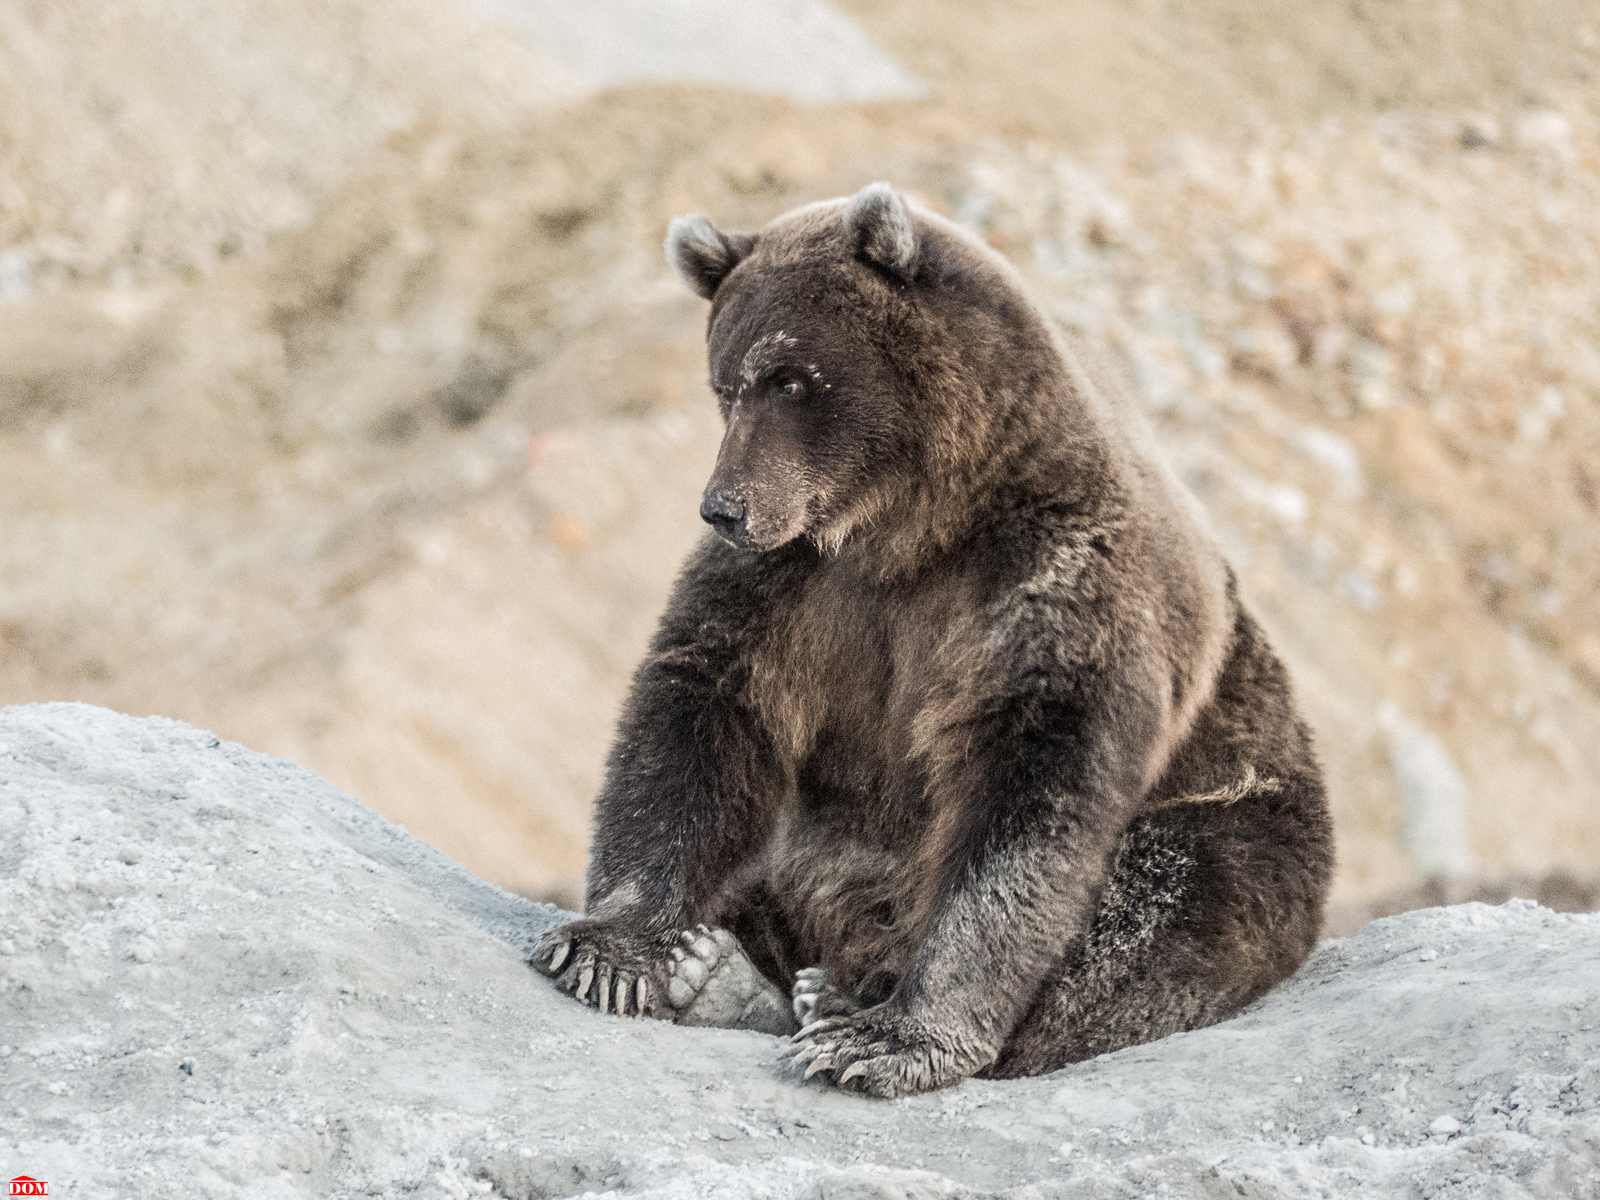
pixel 608 965
pixel 885 1052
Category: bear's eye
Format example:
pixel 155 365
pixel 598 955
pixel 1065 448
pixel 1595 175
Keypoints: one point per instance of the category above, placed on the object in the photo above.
pixel 790 387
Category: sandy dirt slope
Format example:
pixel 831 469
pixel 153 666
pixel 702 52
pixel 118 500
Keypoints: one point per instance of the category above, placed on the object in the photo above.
pixel 805 49
pixel 1138 71
pixel 399 489
pixel 141 140
pixel 220 976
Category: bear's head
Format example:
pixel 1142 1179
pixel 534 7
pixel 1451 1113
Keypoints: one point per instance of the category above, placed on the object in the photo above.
pixel 864 355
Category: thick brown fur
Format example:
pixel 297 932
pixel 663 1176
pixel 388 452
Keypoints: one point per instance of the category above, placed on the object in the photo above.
pixel 960 705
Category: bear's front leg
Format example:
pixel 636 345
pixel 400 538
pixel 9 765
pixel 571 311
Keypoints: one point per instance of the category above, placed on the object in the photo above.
pixel 689 796
pixel 1016 864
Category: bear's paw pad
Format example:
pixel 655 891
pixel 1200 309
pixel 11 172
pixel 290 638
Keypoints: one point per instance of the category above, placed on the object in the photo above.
pixel 711 982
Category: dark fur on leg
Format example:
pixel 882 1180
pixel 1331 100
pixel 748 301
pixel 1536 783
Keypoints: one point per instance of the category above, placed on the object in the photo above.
pixel 1214 897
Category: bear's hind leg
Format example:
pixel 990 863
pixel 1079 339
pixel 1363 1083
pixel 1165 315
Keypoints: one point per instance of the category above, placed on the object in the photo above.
pixel 710 981
pixel 1207 908
pixel 816 998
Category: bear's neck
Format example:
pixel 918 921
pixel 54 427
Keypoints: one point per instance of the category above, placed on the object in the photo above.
pixel 1040 451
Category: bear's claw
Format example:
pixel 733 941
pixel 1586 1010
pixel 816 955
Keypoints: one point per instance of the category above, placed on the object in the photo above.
pixel 883 1052
pixel 823 1063
pixel 700 976
pixel 598 964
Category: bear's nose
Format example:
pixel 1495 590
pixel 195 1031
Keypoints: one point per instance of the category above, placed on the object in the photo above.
pixel 725 514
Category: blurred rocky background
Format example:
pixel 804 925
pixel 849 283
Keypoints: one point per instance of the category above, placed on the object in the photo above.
pixel 347 408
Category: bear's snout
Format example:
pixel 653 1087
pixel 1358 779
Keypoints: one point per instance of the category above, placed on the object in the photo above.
pixel 726 514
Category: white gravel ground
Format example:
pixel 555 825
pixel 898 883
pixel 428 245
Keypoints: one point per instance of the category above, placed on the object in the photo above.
pixel 221 976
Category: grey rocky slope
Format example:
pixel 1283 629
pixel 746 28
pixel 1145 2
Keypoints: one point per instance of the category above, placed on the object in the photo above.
pixel 221 976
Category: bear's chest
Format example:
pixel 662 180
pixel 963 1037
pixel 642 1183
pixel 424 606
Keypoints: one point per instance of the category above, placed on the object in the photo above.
pixel 839 679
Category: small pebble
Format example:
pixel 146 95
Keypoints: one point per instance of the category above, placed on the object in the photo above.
pixel 1428 955
pixel 131 856
pixel 1446 1126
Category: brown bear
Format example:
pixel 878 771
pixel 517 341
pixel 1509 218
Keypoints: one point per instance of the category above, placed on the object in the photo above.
pixel 956 722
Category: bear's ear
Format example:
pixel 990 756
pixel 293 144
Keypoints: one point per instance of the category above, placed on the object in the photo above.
pixel 879 223
pixel 703 254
